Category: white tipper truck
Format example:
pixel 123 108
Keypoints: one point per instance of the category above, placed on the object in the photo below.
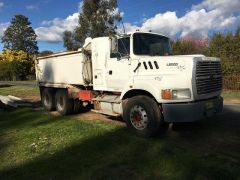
pixel 134 76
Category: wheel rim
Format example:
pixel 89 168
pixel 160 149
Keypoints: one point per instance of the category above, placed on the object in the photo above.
pixel 138 117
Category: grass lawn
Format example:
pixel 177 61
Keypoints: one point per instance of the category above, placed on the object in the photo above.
pixel 26 92
pixel 37 145
pixel 19 91
pixel 231 95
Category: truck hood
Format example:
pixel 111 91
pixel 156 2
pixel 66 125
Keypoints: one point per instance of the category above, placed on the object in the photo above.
pixel 172 64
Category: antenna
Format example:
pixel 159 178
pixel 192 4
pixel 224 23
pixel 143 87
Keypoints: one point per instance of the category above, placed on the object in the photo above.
pixel 124 31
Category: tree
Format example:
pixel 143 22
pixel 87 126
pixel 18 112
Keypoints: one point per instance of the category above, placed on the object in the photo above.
pixel 1 57
pixel 237 33
pixel 16 65
pixel 45 53
pixel 97 18
pixel 227 47
pixel 70 42
pixel 190 46
pixel 20 36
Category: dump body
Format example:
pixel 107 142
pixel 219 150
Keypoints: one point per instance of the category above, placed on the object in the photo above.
pixel 64 68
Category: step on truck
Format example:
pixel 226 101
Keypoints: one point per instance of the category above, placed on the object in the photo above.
pixel 134 76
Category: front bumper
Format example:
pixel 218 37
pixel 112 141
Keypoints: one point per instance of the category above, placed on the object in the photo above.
pixel 192 111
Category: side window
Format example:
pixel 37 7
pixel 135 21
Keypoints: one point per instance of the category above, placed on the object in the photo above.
pixel 124 46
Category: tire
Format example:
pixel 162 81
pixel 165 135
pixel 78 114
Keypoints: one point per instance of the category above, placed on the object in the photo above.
pixel 64 105
pixel 48 99
pixel 143 116
pixel 77 106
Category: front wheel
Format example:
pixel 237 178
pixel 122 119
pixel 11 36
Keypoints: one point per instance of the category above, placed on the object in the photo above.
pixel 143 116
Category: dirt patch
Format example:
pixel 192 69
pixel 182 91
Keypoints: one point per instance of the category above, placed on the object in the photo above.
pixel 232 101
pixel 92 116
pixel 31 98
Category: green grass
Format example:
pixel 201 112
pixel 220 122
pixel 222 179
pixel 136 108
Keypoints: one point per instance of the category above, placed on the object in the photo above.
pixel 19 91
pixel 231 95
pixel 30 82
pixel 37 145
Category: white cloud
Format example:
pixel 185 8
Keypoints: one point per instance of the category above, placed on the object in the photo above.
pixel 166 23
pixel 203 17
pixel 52 31
pixel 3 27
pixel 128 28
pixel 198 21
pixel 1 5
pixel 225 6
pixel 31 7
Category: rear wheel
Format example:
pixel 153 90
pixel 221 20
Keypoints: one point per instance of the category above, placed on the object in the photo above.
pixel 64 105
pixel 48 99
pixel 77 106
pixel 143 116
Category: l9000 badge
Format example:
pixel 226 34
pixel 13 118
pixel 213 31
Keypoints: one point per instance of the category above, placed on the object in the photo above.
pixel 172 64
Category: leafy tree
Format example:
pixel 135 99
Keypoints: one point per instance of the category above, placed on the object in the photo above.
pixel 11 55
pixel 190 46
pixel 16 65
pixel 70 42
pixel 227 47
pixel 1 57
pixel 237 33
pixel 5 71
pixel 45 53
pixel 96 19
pixel 20 36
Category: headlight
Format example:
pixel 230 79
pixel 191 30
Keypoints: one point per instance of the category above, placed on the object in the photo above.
pixel 181 94
pixel 176 94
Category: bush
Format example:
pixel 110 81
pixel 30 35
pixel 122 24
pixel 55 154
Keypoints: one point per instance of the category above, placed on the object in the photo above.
pixel 190 46
pixel 5 72
pixel 226 46
pixel 16 65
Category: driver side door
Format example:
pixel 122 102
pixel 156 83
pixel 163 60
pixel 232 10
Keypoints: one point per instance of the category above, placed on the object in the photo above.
pixel 118 66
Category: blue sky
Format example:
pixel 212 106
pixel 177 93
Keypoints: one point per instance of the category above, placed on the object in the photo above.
pixel 180 18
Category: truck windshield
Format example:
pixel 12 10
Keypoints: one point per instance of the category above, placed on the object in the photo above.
pixel 151 44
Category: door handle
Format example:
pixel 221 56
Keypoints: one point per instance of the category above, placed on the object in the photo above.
pixel 110 72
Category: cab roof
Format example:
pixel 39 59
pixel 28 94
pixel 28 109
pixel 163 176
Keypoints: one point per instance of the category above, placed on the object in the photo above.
pixel 145 32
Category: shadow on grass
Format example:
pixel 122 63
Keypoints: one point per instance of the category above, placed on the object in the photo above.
pixel 205 150
pixel 5 85
pixel 21 118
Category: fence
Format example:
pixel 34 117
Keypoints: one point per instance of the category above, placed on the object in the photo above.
pixel 231 82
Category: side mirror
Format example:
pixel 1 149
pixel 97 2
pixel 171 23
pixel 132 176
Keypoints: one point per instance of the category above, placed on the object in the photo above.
pixel 114 44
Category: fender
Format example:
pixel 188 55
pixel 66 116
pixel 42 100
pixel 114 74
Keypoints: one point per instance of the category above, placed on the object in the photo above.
pixel 143 86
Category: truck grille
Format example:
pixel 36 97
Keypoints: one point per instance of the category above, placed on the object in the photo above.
pixel 208 77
